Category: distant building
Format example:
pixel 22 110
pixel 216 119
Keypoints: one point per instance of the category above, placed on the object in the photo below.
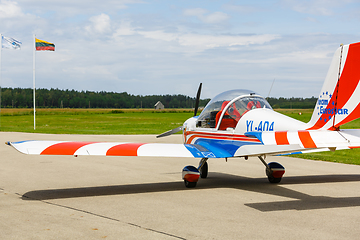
pixel 159 105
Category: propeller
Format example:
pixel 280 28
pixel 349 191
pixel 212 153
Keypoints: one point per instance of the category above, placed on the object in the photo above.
pixel 178 129
pixel 172 131
pixel 197 100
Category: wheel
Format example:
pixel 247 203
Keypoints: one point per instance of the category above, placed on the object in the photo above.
pixel 275 172
pixel 190 184
pixel 204 170
pixel 274 180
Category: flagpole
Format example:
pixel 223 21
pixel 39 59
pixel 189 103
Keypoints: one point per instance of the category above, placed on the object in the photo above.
pixel 34 50
pixel 0 75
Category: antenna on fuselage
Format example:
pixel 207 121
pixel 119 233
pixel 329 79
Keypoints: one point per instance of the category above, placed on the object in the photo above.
pixel 270 89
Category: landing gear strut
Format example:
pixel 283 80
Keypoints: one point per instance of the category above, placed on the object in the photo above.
pixel 274 171
pixel 191 174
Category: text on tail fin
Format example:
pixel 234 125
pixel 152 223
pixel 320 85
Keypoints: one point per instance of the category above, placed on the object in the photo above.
pixel 339 98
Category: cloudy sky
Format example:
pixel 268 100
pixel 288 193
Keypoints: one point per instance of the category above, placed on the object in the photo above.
pixel 147 47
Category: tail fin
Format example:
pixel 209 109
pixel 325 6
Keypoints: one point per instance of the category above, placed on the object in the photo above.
pixel 339 99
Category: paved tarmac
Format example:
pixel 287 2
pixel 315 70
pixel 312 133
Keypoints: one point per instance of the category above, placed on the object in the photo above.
pixel 64 197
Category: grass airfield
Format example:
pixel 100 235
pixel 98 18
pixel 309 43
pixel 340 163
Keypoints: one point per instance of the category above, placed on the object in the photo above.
pixel 93 121
pixel 136 121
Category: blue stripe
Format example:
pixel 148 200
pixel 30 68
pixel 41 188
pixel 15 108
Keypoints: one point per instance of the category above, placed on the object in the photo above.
pixel 257 135
pixel 22 141
pixel 224 148
pixel 286 154
pixel 206 150
pixel 218 152
pixel 195 151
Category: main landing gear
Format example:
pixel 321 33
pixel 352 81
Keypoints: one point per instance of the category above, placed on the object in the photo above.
pixel 191 174
pixel 274 171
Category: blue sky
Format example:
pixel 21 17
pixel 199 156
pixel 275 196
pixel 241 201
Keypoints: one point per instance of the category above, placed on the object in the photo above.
pixel 169 47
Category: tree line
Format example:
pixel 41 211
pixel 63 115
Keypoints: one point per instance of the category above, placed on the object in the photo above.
pixel 56 98
pixel 295 103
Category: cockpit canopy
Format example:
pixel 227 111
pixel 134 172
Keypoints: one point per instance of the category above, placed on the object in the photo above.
pixel 225 110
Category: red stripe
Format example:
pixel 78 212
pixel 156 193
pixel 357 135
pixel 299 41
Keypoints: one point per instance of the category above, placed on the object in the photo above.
pixel 65 148
pixel 45 48
pixel 230 137
pixel 350 76
pixel 126 149
pixel 354 147
pixel 244 139
pixel 306 139
pixel 281 138
pixel 278 173
pixel 346 86
pixel 355 114
pixel 217 134
pixel 191 177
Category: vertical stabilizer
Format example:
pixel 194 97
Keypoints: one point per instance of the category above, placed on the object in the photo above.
pixel 339 99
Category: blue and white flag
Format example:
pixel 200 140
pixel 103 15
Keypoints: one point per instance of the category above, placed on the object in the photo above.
pixel 10 43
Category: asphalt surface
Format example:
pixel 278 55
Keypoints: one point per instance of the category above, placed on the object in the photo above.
pixel 87 197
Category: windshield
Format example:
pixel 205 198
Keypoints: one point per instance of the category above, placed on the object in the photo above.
pixel 226 109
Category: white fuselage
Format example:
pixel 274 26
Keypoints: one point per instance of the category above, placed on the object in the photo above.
pixel 264 120
pixel 256 120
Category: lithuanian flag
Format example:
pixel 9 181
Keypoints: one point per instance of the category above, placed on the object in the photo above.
pixel 44 46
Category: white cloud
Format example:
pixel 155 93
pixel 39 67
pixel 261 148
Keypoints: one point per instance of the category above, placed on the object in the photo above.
pixel 125 29
pixel 149 44
pixel 311 19
pixel 244 9
pixel 10 9
pixel 316 7
pixel 202 42
pixel 215 17
pixel 202 15
pixel 99 24
pixel 195 12
pixel 70 8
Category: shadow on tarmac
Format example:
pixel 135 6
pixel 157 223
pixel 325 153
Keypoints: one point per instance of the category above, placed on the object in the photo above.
pixel 220 180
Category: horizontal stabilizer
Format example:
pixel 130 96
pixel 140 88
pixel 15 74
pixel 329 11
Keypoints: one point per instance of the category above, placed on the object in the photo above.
pixel 295 142
pixel 256 150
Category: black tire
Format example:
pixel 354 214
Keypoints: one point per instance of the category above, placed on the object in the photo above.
pixel 190 184
pixel 269 172
pixel 204 170
pixel 274 180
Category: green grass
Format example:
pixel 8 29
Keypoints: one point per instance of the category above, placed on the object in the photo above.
pixel 97 121
pixel 137 121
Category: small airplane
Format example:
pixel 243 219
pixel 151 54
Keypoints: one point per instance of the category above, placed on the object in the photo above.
pixel 241 123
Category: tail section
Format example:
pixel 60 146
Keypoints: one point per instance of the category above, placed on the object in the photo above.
pixel 339 99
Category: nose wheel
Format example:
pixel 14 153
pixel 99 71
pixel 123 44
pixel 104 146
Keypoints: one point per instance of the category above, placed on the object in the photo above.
pixel 203 168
